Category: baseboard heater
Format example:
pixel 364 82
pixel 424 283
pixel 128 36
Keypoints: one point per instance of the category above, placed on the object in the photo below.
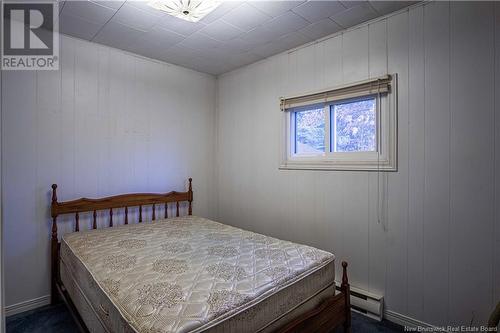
pixel 365 302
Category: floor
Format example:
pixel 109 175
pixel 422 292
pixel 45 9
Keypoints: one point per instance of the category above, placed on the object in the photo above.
pixel 57 319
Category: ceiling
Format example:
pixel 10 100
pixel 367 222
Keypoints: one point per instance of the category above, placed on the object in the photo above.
pixel 235 34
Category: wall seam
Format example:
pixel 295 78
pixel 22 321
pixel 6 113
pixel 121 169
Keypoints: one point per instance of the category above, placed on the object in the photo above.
pixel 369 175
pixel 2 275
pixel 495 212
pixel 450 165
pixel 216 164
pixel 424 152
pixel 74 118
pixel 37 205
pixel 409 160
pixel 385 179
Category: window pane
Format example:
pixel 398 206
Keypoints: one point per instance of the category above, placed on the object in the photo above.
pixel 354 126
pixel 310 131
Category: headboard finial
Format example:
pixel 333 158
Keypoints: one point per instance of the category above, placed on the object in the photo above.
pixel 344 273
pixel 190 194
pixel 54 192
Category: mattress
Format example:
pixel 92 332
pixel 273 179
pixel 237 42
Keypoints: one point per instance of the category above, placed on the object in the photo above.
pixel 190 274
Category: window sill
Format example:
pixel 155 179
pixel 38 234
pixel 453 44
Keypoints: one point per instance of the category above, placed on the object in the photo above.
pixel 332 165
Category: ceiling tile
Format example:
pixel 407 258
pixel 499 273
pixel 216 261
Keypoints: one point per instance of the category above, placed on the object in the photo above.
pixel 211 68
pixel 216 54
pixel 143 5
pixel 294 39
pixel 269 49
pixel 321 29
pixel 282 44
pixel 233 35
pixel 145 48
pixel 186 57
pixel 134 17
pixel 177 53
pixel 355 15
pixel 246 17
pixel 238 44
pixel 260 35
pixel 220 11
pixel 286 23
pixel 78 27
pixel 88 11
pixel 148 48
pixel 316 10
pixel 385 7
pixel 199 42
pixel 275 8
pixel 242 59
pixel 113 4
pixel 351 3
pixel 221 30
pixel 180 26
pixel 118 35
pixel 162 37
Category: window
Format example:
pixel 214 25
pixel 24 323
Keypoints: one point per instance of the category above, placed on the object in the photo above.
pixel 344 132
pixel 354 125
pixel 309 129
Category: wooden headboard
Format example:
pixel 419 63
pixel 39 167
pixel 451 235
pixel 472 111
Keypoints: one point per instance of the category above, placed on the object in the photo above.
pixel 118 201
pixel 123 201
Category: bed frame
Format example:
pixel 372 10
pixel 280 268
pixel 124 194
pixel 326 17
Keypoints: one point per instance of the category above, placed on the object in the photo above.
pixel 328 315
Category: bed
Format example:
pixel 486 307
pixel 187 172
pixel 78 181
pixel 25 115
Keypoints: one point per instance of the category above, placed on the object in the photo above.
pixel 187 273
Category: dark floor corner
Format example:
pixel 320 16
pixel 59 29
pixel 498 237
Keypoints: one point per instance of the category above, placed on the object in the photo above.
pixel 57 319
pixel 363 324
pixel 50 318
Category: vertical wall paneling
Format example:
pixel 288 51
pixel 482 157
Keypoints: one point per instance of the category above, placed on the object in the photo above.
pixel 261 177
pixel 332 187
pixel 285 196
pixel 472 151
pixel 397 218
pixel 307 76
pixel 416 161
pixel 47 113
pixel 330 184
pixel 107 122
pixel 355 184
pixel 105 119
pixel 2 314
pixel 377 255
pixel 437 222
pixel 68 120
pixel 21 225
pixel 332 61
pixel 86 118
pixel 496 234
pixel 438 227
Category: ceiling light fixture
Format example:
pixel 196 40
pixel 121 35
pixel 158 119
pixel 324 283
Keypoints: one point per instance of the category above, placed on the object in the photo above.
pixel 189 10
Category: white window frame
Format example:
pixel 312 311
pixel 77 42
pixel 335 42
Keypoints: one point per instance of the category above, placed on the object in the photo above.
pixel 383 159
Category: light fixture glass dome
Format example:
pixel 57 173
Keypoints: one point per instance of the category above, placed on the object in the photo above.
pixel 189 10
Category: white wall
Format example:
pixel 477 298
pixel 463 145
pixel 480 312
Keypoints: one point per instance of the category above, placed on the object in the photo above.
pixel 2 314
pixel 106 123
pixel 436 254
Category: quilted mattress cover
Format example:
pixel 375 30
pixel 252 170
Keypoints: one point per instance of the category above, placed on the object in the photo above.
pixel 189 274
